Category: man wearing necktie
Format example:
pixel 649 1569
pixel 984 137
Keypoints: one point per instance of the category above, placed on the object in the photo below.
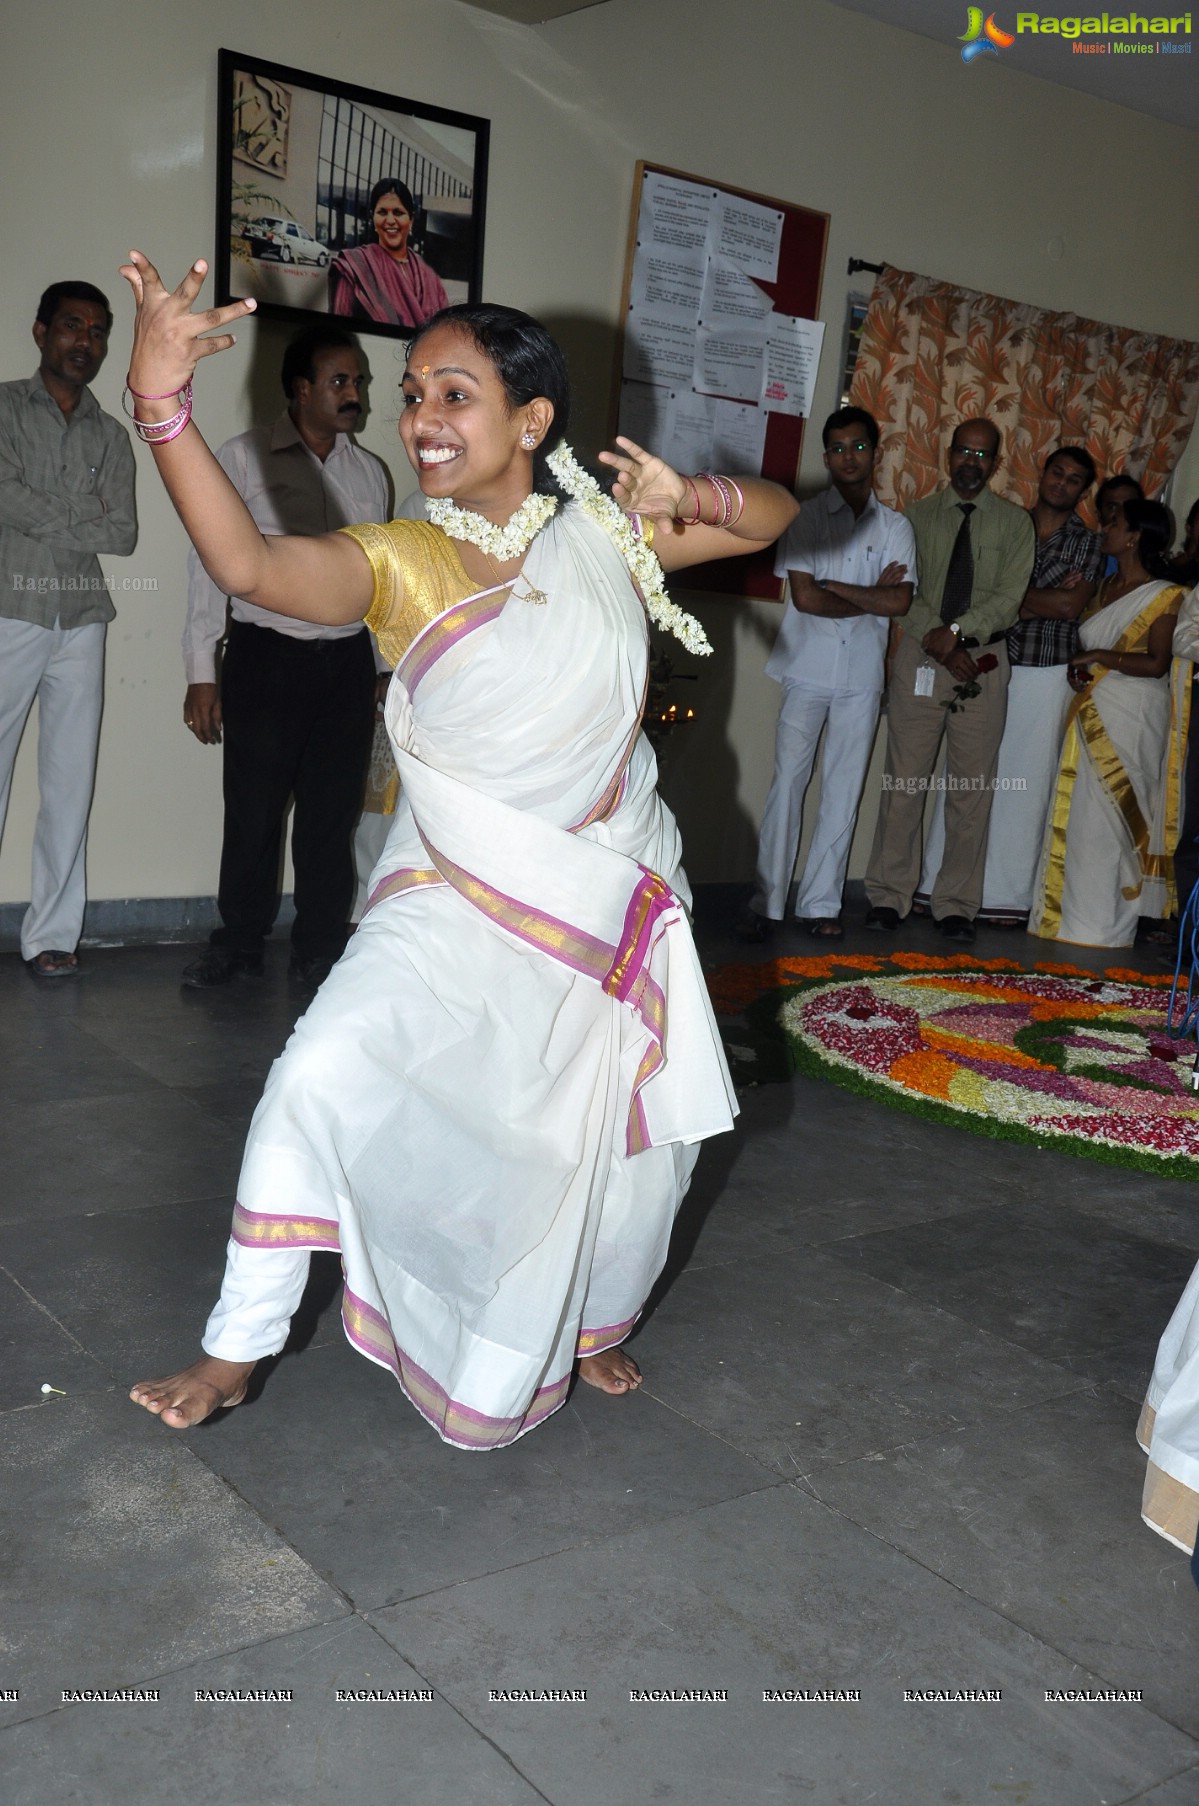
pixel 974 557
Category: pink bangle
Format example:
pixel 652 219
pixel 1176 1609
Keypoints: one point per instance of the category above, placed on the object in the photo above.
pixel 724 497
pixel 694 520
pixel 165 438
pixel 161 432
pixel 138 396
pixel 726 489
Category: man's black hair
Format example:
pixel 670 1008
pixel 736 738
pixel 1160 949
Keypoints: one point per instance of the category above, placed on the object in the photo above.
pixel 58 292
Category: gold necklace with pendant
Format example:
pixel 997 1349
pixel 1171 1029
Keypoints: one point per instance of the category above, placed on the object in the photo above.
pixel 537 597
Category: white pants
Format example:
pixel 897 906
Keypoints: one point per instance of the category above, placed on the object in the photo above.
pixel 852 716
pixel 1024 780
pixel 64 669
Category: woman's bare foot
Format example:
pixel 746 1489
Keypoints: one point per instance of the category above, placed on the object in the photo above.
pixel 189 1397
pixel 611 1371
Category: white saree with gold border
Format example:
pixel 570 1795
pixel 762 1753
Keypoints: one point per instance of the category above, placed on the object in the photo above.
pixel 1107 855
pixel 492 1106
pixel 1169 1427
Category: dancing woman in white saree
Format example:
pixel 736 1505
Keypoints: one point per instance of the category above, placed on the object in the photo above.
pixel 1107 856
pixel 493 1106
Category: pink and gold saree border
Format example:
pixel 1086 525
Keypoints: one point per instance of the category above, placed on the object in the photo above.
pixel 369 1332
pixel 622 971
pixel 594 1341
pixel 569 945
pixel 262 1229
pixel 447 631
pixel 408 877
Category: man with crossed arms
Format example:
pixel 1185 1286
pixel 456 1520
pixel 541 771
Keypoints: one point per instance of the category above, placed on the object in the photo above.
pixel 850 564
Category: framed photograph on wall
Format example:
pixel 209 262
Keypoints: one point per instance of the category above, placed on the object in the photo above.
pixel 334 199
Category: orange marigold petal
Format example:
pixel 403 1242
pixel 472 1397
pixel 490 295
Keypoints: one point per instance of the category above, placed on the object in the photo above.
pixel 929 1073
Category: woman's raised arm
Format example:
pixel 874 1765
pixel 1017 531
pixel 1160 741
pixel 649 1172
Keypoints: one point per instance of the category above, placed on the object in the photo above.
pixel 325 578
pixel 696 519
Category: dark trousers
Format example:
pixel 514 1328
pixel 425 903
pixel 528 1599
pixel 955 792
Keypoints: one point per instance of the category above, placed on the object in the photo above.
pixel 1186 857
pixel 298 720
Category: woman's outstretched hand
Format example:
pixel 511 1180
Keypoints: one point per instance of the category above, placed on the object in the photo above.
pixel 168 339
pixel 644 484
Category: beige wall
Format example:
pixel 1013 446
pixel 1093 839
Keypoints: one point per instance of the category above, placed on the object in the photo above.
pixel 964 173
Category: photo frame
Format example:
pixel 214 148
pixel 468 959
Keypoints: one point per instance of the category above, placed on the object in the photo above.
pixel 340 201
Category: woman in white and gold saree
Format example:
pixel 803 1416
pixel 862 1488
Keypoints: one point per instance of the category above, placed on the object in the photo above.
pixel 1107 856
pixel 493 1106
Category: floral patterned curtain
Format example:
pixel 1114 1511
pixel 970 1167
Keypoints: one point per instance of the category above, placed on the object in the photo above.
pixel 932 355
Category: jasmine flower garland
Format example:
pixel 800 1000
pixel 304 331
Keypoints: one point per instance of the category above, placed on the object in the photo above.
pixel 514 539
pixel 502 543
pixel 644 568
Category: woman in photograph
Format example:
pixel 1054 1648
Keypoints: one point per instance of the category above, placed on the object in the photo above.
pixel 1106 857
pixel 493 1106
pixel 385 280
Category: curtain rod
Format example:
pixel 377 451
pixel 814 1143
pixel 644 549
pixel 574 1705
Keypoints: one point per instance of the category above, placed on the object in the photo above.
pixel 858 263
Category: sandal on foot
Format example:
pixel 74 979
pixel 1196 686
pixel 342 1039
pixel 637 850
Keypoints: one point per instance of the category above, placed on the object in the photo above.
pixel 826 928
pixel 52 962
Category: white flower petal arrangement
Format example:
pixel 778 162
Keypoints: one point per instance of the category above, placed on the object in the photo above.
pixel 514 539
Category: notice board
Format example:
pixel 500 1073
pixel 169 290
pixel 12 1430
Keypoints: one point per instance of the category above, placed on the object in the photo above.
pixel 720 341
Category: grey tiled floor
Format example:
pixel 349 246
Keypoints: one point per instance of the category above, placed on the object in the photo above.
pixel 885 1442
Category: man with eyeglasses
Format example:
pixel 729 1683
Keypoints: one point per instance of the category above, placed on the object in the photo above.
pixel 295 703
pixel 950 677
pixel 850 565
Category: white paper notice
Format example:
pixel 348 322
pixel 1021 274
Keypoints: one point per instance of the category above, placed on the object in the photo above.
pixel 749 234
pixel 792 360
pixel 730 363
pixel 738 438
pixel 667 281
pixel 659 347
pixel 645 415
pixel 688 442
pixel 730 299
pixel 675 216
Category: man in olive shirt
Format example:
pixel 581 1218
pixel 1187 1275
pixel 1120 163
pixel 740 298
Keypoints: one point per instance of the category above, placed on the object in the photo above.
pixel 975 556
pixel 66 493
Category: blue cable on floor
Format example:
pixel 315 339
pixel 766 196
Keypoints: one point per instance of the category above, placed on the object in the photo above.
pixel 1188 945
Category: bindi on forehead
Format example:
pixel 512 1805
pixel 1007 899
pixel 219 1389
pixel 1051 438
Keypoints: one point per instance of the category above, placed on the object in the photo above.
pixel 426 370
pixel 95 322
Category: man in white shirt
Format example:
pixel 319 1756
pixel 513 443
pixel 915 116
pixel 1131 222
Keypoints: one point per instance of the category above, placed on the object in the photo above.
pixel 851 565
pixel 295 703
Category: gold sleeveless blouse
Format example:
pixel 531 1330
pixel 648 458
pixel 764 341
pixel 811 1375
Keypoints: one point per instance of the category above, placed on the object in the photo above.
pixel 418 575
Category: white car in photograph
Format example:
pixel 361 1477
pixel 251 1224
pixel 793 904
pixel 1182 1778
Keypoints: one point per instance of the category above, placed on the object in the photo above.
pixel 272 236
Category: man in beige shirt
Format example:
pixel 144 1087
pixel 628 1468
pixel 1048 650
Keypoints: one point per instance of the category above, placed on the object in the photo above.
pixel 975 556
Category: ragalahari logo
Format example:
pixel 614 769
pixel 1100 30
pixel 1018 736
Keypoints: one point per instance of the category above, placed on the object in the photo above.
pixel 983 39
